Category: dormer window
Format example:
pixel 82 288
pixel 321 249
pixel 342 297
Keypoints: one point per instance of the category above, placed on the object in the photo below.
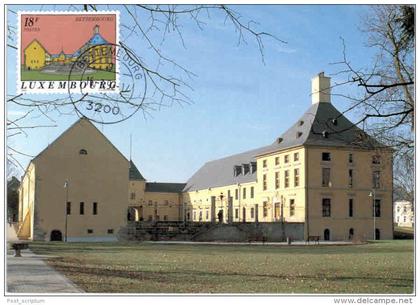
pixel 253 167
pixel 298 134
pixel 83 152
pixel 237 170
pixel 301 123
pixel 245 168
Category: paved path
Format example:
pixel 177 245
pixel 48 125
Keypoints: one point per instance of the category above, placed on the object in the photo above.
pixel 30 274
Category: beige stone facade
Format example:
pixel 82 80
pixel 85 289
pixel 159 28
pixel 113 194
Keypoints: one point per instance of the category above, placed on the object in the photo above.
pixel 323 172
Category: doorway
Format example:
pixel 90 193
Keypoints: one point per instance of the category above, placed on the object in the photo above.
pixel 56 235
pixel 327 234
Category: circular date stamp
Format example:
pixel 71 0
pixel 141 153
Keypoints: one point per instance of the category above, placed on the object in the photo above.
pixel 111 81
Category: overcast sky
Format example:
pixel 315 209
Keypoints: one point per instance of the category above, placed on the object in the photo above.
pixel 239 102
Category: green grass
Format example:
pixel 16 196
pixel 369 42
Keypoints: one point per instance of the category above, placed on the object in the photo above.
pixel 40 76
pixel 380 267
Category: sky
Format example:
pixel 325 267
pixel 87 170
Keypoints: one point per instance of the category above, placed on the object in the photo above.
pixel 239 101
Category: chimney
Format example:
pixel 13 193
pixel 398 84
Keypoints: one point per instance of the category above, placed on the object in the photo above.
pixel 321 92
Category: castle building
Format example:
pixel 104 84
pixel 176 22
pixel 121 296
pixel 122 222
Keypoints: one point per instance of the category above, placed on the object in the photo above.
pixel 404 214
pixel 323 172
pixel 97 51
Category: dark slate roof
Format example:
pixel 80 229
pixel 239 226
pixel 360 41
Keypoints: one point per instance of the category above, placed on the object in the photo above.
pixel 163 187
pixel 308 131
pixel 134 173
pixel 324 119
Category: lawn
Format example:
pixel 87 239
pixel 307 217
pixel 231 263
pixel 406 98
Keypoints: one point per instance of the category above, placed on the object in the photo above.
pixel 380 267
pixel 40 76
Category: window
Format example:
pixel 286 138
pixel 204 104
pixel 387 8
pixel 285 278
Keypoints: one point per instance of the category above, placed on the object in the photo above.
pixel 351 233
pixel 244 193
pixel 207 214
pixel 376 159
pixel 133 196
pixel 252 192
pixel 277 180
pixel 194 215
pixel 376 179
pixel 286 179
pixel 377 208
pixel 236 194
pixel 228 194
pixel 200 217
pixel 83 152
pixel 68 207
pixel 150 203
pixel 82 208
pixel 165 217
pixel 292 207
pixel 277 160
pixel 252 212
pixel 351 158
pixel 286 159
pixel 326 207
pixel 296 157
pixel 253 167
pixel 264 182
pixel 265 209
pixel 326 173
pixel 350 178
pixel 296 177
pixel 95 208
pixel 110 231
pixel 236 213
pixel 150 218
pixel 264 163
pixel 166 202
pixel 326 156
pixel 351 207
pixel 405 219
pixel 90 231
pixel 405 209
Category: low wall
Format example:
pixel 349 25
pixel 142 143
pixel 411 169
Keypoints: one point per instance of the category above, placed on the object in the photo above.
pixel 268 231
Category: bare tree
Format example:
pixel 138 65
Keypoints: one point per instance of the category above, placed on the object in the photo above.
pixel 386 103
pixel 167 79
pixel 387 86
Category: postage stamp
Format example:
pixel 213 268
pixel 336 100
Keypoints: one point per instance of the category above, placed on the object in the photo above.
pixel 52 46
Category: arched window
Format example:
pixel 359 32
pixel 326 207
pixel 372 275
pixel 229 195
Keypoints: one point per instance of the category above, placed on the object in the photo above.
pixel 83 152
pixel 327 234
pixel 351 233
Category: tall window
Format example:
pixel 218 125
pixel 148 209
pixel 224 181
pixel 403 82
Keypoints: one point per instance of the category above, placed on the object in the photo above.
pixel 133 196
pixel 326 207
pixel 376 159
pixel 350 178
pixel 351 207
pixel 377 208
pixel 236 194
pixel 296 177
pixel 244 193
pixel 207 214
pixel 252 192
pixel 376 179
pixel 292 207
pixel 228 194
pixel 277 160
pixel 265 209
pixel 264 182
pixel 326 156
pixel 82 208
pixel 95 208
pixel 326 176
pixel 286 159
pixel 264 163
pixel 296 156
pixel 351 158
pixel 68 207
pixel 277 180
pixel 236 213
pixel 286 179
pixel 252 212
